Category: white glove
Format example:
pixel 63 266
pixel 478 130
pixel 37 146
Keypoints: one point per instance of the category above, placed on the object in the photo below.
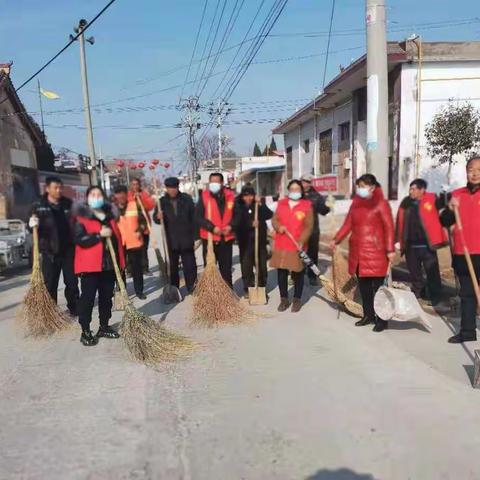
pixel 105 232
pixel 397 246
pixel 33 222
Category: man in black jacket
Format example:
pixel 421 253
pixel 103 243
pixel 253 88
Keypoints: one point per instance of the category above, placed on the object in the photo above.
pixel 52 215
pixel 178 216
pixel 243 225
pixel 319 207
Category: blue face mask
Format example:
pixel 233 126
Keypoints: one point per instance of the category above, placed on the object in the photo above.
pixel 214 187
pixel 294 195
pixel 96 203
pixel 363 192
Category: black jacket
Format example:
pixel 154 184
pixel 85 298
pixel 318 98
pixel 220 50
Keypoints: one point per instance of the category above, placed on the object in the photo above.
pixel 86 240
pixel 243 217
pixel 179 225
pixel 48 235
pixel 318 206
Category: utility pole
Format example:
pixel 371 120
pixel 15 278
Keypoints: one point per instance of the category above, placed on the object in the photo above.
pixel 377 91
pixel 86 97
pixel 191 122
pixel 220 112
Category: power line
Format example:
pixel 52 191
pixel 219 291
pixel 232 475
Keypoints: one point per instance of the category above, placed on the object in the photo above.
pixel 72 39
pixel 328 45
pixel 194 48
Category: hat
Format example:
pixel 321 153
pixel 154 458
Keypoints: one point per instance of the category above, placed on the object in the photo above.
pixel 172 182
pixel 308 177
pixel 247 190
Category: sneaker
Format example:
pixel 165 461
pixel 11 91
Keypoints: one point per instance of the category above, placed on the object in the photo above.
pixel 141 296
pixel 88 339
pixel 296 305
pixel 107 332
pixel 284 304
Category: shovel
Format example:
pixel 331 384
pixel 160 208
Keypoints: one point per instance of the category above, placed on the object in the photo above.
pixel 256 294
pixel 170 293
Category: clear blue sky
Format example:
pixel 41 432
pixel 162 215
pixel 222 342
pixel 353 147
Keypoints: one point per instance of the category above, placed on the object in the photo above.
pixel 138 40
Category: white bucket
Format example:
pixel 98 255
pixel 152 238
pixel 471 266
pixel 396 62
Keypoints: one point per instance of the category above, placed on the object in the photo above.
pixel 396 304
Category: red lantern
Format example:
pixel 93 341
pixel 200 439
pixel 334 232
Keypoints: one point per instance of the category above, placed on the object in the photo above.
pixel 155 162
pixel 133 166
pixel 152 167
pixel 120 163
pixel 141 165
pixel 166 165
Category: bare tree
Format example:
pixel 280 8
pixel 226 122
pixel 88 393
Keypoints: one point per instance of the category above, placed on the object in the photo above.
pixel 454 130
pixel 207 148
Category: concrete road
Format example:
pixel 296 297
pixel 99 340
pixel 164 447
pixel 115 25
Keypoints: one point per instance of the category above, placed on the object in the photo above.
pixel 290 396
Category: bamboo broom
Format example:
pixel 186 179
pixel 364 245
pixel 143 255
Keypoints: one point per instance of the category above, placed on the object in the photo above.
pixel 145 340
pixel 39 314
pixel 214 302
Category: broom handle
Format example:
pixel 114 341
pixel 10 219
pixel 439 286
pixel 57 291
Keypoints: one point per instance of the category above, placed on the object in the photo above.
pixel 118 275
pixel 468 258
pixel 256 244
pixel 36 251
pixel 147 218
pixel 210 250
pixel 162 229
pixel 292 238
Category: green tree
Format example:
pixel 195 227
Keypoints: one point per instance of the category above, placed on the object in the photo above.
pixel 266 151
pixel 273 146
pixel 256 150
pixel 455 130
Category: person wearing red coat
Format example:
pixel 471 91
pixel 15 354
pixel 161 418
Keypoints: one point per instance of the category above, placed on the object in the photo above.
pixel 371 244
pixel 142 198
pixel 420 235
pixel 467 200
pixel 93 224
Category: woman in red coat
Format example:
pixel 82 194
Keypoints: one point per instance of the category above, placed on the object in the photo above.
pixel 94 223
pixel 371 245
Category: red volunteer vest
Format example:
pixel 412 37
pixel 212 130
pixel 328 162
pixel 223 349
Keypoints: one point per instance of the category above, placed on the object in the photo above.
pixel 436 235
pixel 470 215
pixel 89 260
pixel 216 218
pixel 293 219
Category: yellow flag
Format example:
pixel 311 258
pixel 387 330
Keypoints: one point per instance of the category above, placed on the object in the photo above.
pixel 49 95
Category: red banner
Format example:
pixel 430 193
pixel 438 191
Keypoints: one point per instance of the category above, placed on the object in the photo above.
pixel 327 183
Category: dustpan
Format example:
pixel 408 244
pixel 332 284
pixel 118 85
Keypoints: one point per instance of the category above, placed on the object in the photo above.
pixel 257 295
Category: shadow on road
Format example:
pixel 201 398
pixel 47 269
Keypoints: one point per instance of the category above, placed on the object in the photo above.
pixel 340 474
pixel 4 287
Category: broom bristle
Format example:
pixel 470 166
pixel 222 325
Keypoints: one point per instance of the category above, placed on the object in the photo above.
pixel 150 343
pixel 40 315
pixel 215 303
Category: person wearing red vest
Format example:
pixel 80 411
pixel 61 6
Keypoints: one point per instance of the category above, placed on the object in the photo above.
pixel 371 245
pixel 295 215
pixel 467 200
pixel 93 224
pixel 132 237
pixel 142 197
pixel 214 216
pixel 420 235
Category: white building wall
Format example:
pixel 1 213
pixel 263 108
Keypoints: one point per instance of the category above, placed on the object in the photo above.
pixel 462 83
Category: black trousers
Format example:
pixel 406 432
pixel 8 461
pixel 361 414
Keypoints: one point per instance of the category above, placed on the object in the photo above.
pixel 298 282
pixel 368 287
pixel 468 301
pixel 189 267
pixel 91 283
pixel 146 243
pixel 247 263
pixel 52 266
pixel 312 251
pixel 424 257
pixel 135 267
pixel 223 254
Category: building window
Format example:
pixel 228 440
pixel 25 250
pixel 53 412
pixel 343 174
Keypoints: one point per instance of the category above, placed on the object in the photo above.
pixel 326 152
pixel 306 145
pixel 344 132
pixel 289 163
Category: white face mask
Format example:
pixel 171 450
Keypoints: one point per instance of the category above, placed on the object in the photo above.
pixel 363 192
pixel 294 195
pixel 214 187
